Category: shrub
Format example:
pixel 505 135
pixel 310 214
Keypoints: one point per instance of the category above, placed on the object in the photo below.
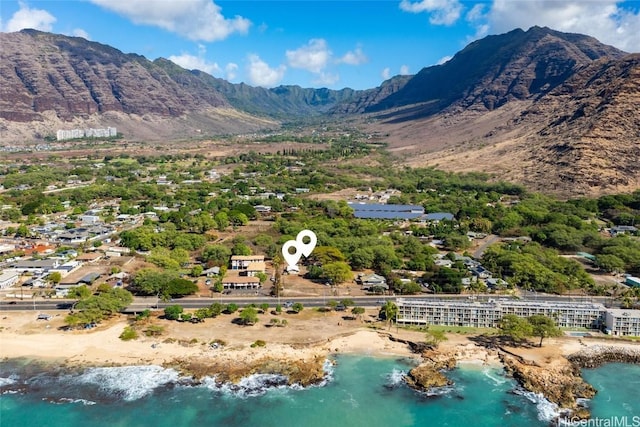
pixel 153 330
pixel 128 334
pixel 258 343
pixel 144 315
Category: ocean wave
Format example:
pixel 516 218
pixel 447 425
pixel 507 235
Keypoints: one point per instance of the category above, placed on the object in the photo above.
pixel 85 402
pixel 395 378
pixel 251 386
pixel 329 368
pixel 128 382
pixel 8 381
pixel 490 374
pixel 547 410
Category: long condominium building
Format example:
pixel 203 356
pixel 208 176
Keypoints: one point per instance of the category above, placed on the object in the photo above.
pixel 90 132
pixel 488 314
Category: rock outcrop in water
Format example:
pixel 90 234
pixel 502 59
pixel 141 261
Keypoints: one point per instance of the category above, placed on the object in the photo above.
pixel 303 372
pixel 429 374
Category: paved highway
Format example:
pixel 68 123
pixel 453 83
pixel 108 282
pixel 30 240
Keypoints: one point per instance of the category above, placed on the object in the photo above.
pixel 142 303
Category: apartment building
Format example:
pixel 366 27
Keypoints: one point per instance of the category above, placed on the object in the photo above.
pixel 622 322
pixel 488 314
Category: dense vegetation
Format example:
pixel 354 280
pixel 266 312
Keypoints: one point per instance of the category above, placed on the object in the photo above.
pixel 192 209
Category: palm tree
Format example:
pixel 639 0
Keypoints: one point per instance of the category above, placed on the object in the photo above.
pixel 389 310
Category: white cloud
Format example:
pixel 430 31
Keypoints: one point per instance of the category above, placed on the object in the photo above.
pixel 355 57
pixel 441 12
pixel 79 32
pixel 404 70
pixel 25 17
pixel 231 71
pixel 326 79
pixel 605 20
pixel 193 19
pixel 443 60
pixel 476 13
pixel 313 56
pixel 386 73
pixel 192 62
pixel 260 74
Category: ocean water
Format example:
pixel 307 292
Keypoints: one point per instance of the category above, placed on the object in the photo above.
pixel 359 391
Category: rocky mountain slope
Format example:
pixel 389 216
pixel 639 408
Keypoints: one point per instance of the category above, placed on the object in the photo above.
pixel 555 111
pixel 581 138
pixel 490 72
pixel 50 80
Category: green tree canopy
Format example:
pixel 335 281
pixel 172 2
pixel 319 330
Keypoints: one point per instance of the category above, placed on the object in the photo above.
pixel 173 312
pixel 514 327
pixel 337 272
pixel 249 316
pixel 543 327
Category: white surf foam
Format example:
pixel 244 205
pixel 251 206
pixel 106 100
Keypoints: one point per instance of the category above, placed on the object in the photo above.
pixel 395 378
pixel 129 382
pixel 259 384
pixel 253 385
pixel 547 410
pixel 8 381
pixel 85 402
pixel 490 373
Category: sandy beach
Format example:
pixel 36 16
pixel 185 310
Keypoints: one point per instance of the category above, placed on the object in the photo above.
pixel 308 335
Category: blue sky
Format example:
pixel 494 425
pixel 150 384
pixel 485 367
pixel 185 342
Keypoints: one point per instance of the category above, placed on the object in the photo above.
pixel 330 43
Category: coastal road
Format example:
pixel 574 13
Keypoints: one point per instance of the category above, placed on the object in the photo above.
pixel 143 303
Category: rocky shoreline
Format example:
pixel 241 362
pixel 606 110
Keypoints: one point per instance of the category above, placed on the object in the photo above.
pixel 558 379
pixel 303 371
pixel 562 385
pixel 595 356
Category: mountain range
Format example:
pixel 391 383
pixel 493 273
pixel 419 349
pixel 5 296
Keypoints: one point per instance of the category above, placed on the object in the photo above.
pixel 557 112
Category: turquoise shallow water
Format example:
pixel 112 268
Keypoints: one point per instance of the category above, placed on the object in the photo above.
pixel 360 391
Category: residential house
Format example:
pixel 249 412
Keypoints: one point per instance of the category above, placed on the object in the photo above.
pixel 622 229
pixel 89 257
pixel 262 208
pixel 241 262
pixel 481 272
pixel 373 281
pixel 90 219
pixel 493 283
pixel 37 266
pixel 254 268
pixel 436 217
pixel 8 279
pixel 209 272
pixel 35 282
pixel 233 280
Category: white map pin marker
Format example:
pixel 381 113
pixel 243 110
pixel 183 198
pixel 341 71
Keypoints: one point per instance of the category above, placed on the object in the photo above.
pixel 291 258
pixel 306 248
pixel 301 247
